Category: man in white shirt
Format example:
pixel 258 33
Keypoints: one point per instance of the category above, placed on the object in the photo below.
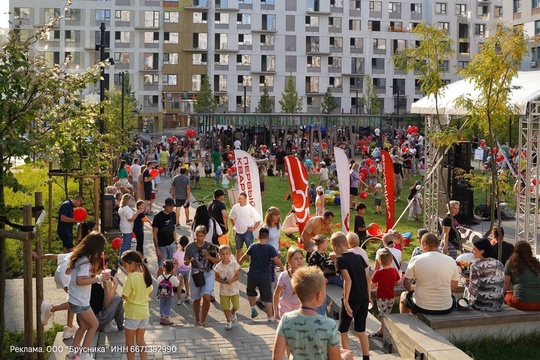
pixel 237 144
pixel 245 220
pixel 134 171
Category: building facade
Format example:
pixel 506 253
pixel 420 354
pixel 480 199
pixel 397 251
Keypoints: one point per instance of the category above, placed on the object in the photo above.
pixel 166 47
pixel 526 14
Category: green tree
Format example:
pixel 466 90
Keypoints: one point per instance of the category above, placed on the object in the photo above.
pixel 492 71
pixel 205 97
pixel 266 103
pixel 35 96
pixel 329 103
pixel 290 102
pixel 372 102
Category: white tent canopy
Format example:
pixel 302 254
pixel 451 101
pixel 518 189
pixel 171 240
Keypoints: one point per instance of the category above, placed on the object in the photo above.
pixel 526 88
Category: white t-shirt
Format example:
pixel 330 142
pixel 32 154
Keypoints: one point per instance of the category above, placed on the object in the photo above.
pixel 359 251
pixel 237 144
pixel 174 280
pixel 434 273
pixel 324 173
pixel 60 277
pixel 227 271
pixel 244 217
pixel 273 238
pixel 397 256
pixel 79 295
pixel 125 213
pixel 135 170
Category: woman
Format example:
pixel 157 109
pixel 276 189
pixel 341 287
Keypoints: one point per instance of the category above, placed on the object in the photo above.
pixel 151 156
pixel 272 222
pixel 290 224
pixel 202 217
pixel 123 176
pixel 485 288
pixel 127 217
pixel 522 279
pixel 140 183
pixel 355 181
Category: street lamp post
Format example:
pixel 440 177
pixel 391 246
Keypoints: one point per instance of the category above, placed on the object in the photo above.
pixel 397 105
pixel 245 101
pixel 122 74
pixel 356 101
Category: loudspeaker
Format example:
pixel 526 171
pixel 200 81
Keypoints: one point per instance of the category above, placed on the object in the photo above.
pixel 460 155
pixel 460 190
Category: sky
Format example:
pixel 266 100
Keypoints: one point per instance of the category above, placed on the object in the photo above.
pixel 4 17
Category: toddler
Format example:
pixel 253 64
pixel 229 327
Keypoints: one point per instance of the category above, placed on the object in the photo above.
pixel 385 279
pixel 167 281
pixel 182 270
pixel 227 274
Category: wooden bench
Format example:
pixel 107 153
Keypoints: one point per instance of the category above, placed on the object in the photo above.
pixel 462 325
pixel 412 339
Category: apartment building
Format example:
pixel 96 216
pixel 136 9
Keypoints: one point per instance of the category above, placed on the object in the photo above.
pixel 245 45
pixel 526 14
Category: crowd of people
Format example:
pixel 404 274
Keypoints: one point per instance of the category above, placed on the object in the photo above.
pixel 295 295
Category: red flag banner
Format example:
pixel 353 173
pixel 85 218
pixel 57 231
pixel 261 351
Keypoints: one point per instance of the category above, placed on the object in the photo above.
pixel 299 184
pixel 388 176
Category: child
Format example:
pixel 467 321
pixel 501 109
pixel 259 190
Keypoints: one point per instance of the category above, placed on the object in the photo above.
pixel 356 292
pixel 285 299
pixel 331 183
pixel 182 270
pixel 197 175
pixel 312 193
pixel 385 279
pixel 305 333
pixel 378 195
pixel 353 242
pixel 227 274
pixel 260 273
pixel 323 173
pixel 138 227
pixel 218 177
pixel 136 294
pixel 360 227
pixel 262 180
pixel 319 202
pixel 83 266
pixel 167 281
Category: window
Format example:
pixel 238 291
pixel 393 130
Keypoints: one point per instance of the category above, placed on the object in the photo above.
pixel 122 57
pixel 53 13
pixel 440 8
pixel 355 25
pixel 199 59
pixel 151 79
pixel 535 3
pixel 243 60
pixel 517 6
pixel 312 21
pixel 483 10
pixel 75 57
pixel 151 19
pixel 379 83
pixel 312 84
pixel 240 102
pixel 461 9
pixel 394 7
pixel 169 80
pixel 151 100
pixel 399 45
pixel 53 35
pixel 103 15
pixel 170 59
pixel 357 43
pixel 416 9
pixel 221 59
pixel 244 80
pixel 73 15
pixel 335 82
pixel 313 61
pixel 498 11
pixel 106 41
pixel 267 2
pixel 463 31
pixel 243 19
pixel 222 18
pixel 151 61
pixel 267 40
pixel 196 82
pixel 267 80
pixel 170 37
pixel 379 44
pixel 338 3
pixel 200 17
pixel 442 25
pixel 375 6
pixel 122 15
pixel 312 43
pixel 151 37
pixel 245 1
pixel 444 65
pixel 172 17
pixel 221 81
pixel 357 65
pixel 334 62
pixel 335 22
pixel 52 57
pixel 222 41
pixel 480 29
pixel 21 13
pixel 374 25
pixel 353 5
pixel 200 40
pixel 537 27
pixel 268 63
pixel 463 64
pixel 122 36
pixel 201 3
pixel 377 64
pixel 72 35
pixel 336 42
pixel 268 22
pixel 245 39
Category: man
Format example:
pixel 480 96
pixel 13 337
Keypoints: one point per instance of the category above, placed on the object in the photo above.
pixel 66 221
pixel 317 225
pixel 498 240
pixel 147 184
pixel 237 144
pixel 107 305
pixel 451 239
pixel 181 193
pixel 280 162
pixel 164 233
pixel 134 171
pixel 245 220
pixel 436 278
pixel 218 211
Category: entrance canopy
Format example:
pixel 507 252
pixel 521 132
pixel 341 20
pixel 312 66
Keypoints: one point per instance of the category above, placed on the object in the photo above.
pixel 526 87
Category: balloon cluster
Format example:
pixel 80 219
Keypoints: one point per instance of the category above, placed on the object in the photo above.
pixel 190 133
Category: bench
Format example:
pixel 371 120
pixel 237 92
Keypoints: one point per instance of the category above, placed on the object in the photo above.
pixel 412 339
pixel 462 325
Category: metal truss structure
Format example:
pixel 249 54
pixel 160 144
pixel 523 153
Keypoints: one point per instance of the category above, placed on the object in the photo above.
pixel 431 182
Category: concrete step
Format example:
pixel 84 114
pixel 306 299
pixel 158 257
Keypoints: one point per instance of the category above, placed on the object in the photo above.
pixel 61 347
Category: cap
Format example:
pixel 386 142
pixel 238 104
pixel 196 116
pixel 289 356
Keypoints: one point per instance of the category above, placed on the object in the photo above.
pixel 168 201
pixel 418 187
pixel 322 163
pixel 218 193
pixel 378 186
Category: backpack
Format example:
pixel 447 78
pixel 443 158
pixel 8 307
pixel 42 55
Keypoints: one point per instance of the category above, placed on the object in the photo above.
pixel 165 288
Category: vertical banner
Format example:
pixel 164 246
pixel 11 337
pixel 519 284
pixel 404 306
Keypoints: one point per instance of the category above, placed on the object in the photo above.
pixel 299 184
pixel 248 179
pixel 344 184
pixel 388 176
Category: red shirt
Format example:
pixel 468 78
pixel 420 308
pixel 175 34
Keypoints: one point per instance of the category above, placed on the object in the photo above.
pixel 385 280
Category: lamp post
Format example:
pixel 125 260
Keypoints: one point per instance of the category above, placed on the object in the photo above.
pixel 245 101
pixel 397 105
pixel 122 74
pixel 356 101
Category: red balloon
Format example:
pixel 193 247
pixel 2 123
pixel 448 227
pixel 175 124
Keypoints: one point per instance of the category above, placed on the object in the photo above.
pixel 230 156
pixel 364 195
pixel 316 159
pixel 359 143
pixel 364 171
pixel 482 143
pixel 116 243
pixel 365 149
pixel 154 173
pixel 373 229
pixel 485 167
pixel 233 168
pixel 403 149
pixel 372 169
pixel 161 170
pixel 362 177
pixel 80 214
pixel 324 145
pixel 534 181
pixel 500 158
pixel 128 168
pixel 263 148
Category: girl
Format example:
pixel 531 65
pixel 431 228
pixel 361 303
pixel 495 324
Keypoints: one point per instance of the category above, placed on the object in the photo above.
pixel 127 217
pixel 284 298
pixel 319 202
pixel 136 294
pixel 272 222
pixel 140 183
pixel 138 227
pixel 166 300
pixel 123 176
pixel 203 217
pixel 83 266
pixel 262 180
pixel 182 270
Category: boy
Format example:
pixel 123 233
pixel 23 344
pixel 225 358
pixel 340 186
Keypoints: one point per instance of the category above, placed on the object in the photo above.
pixel 356 292
pixel 385 279
pixel 260 273
pixel 312 193
pixel 360 224
pixel 303 332
pixel 353 242
pixel 227 274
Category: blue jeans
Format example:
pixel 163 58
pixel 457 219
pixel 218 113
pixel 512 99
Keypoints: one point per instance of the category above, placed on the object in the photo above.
pixel 335 280
pixel 241 239
pixel 126 243
pixel 165 305
pixel 321 310
pixel 166 253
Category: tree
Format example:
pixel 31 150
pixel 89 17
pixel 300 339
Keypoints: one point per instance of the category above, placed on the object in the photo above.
pixel 492 71
pixel 290 102
pixel 372 103
pixel 329 103
pixel 35 100
pixel 266 103
pixel 205 97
